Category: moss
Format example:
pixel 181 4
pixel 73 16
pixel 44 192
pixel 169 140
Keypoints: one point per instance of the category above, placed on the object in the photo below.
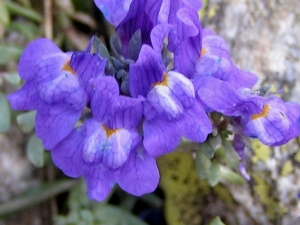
pixel 208 10
pixel 287 168
pixel 223 194
pixel 261 152
pixel 297 157
pixel 263 190
pixel 186 194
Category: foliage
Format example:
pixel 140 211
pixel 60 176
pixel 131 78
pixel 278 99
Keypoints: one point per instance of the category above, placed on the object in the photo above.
pixel 83 211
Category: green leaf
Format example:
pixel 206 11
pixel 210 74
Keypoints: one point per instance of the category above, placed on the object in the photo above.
pixel 20 10
pixel 28 29
pixel 12 78
pixel 77 197
pixel 108 214
pixel 231 176
pixel 35 151
pixel 214 174
pixel 4 114
pixel 203 164
pixel 153 200
pixel 9 53
pixel 72 218
pixel 26 121
pixel 87 215
pixel 207 149
pixel 36 195
pixel 215 141
pixel 217 221
pixel 232 158
pixel 100 48
pixel 60 220
pixel 4 13
pixel 135 45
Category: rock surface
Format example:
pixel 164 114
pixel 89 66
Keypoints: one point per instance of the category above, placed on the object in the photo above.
pixel 264 38
pixel 15 169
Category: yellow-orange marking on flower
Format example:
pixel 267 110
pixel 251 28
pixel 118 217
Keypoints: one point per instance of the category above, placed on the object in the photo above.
pixel 264 113
pixel 163 82
pixel 67 67
pixel 203 51
pixel 109 131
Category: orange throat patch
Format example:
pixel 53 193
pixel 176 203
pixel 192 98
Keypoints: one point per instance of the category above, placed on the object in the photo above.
pixel 109 131
pixel 264 113
pixel 163 82
pixel 68 68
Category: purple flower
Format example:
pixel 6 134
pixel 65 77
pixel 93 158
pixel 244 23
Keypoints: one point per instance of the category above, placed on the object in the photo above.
pixel 164 11
pixel 136 20
pixel 271 120
pixel 107 148
pixel 170 108
pixel 239 145
pixel 55 87
pixel 215 61
pixel 131 22
pixel 114 10
pixel 160 11
pixel 185 41
pixel 142 16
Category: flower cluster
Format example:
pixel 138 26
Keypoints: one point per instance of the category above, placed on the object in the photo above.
pixel 106 117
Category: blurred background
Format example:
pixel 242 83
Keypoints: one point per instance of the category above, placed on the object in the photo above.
pixel 264 38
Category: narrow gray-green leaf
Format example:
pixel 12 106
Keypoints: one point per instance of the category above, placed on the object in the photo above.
pixel 37 195
pixel 214 174
pixel 4 14
pixel 87 216
pixel 5 116
pixel 135 45
pixel 26 121
pixel 12 78
pixel 35 151
pixel 203 164
pixel 232 158
pixel 100 48
pixel 217 221
pixel 9 53
pixel 231 176
pixel 29 29
pixel 152 200
pixel 216 141
pixel 207 149
pixel 20 10
pixel 72 218
pixel 108 214
pixel 115 44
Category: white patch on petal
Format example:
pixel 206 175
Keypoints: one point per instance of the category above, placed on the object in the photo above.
pixel 164 12
pixel 182 87
pixel 111 151
pixel 160 97
pixel 126 5
pixel 172 95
